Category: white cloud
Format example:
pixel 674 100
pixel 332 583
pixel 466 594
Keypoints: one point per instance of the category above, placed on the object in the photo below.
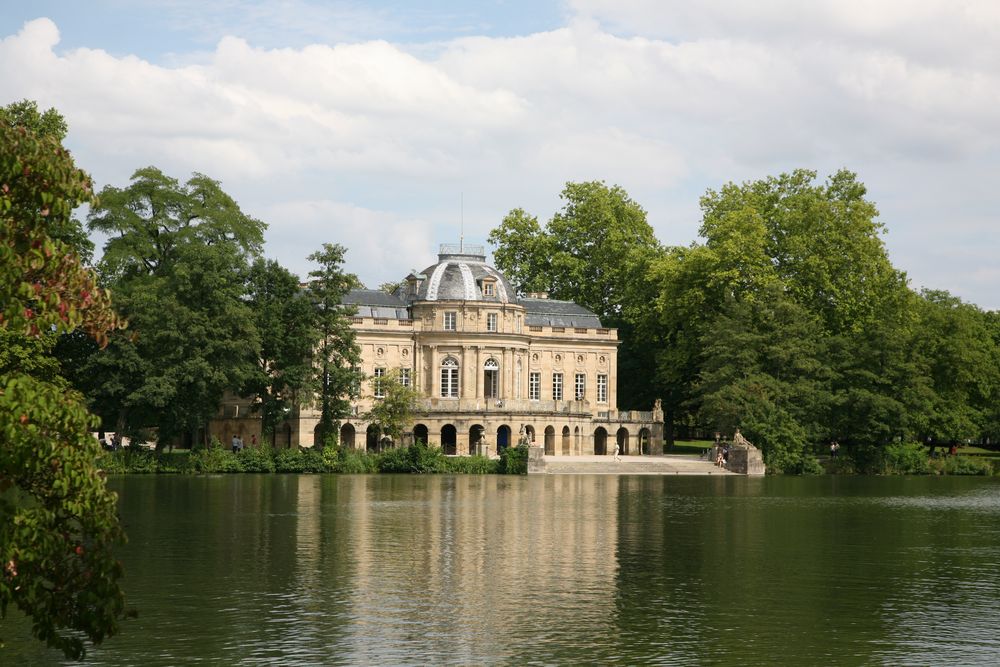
pixel 369 143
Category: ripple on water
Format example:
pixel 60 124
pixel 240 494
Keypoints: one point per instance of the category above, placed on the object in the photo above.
pixel 581 570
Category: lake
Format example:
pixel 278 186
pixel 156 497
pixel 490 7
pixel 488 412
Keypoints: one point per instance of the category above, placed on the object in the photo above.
pixel 548 569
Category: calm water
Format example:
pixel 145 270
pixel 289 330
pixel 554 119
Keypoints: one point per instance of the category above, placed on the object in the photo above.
pixel 360 570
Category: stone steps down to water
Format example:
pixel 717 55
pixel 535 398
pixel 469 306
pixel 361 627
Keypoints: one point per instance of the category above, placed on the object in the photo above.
pixel 628 465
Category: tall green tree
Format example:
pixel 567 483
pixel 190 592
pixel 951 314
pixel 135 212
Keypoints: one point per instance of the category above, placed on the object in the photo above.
pixel 58 521
pixel 283 316
pixel 959 356
pixel 822 242
pixel 765 372
pixel 152 220
pixel 337 375
pixel 817 245
pixel 596 251
pixel 178 257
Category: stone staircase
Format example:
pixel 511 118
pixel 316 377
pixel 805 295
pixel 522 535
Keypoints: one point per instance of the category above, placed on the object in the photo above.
pixel 628 465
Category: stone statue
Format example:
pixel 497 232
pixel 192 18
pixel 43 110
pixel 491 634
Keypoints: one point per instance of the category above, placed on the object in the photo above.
pixel 740 441
pixel 658 411
pixel 522 436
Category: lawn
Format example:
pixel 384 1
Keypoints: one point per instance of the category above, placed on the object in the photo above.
pixel 692 447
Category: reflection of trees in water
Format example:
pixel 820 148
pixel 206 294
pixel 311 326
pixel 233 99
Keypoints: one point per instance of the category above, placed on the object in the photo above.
pixel 730 569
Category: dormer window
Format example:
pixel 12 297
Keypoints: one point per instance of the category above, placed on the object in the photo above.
pixel 489 287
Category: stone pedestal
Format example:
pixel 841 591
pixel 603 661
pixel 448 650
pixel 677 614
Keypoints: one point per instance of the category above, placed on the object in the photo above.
pixel 656 439
pixel 536 460
pixel 745 461
pixel 482 449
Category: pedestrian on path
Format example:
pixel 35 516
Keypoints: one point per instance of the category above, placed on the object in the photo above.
pixel 617 449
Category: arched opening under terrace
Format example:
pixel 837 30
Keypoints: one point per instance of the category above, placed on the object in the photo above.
pixel 550 441
pixel 449 440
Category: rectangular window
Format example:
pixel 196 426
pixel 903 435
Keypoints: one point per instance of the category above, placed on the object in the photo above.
pixel 449 321
pixel 557 387
pixel 491 321
pixel 377 383
pixel 602 388
pixel 534 385
pixel 487 289
pixel 449 378
pixel 404 377
pixel 580 388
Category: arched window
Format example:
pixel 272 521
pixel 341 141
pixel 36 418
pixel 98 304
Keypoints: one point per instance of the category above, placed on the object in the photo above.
pixel 491 378
pixel 449 377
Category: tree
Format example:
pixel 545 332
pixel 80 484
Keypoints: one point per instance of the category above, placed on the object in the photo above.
pixel 58 521
pixel 391 287
pixel 50 124
pixel 178 258
pixel 596 251
pixel 336 369
pixel 765 372
pixel 153 219
pixel 195 339
pixel 283 317
pixel 822 242
pixel 817 247
pixel 393 406
pixel 593 252
pixel 958 354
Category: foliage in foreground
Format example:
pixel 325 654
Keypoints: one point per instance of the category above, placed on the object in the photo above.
pixel 58 521
pixel 215 459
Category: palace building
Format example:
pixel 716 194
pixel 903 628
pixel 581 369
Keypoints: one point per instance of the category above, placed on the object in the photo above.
pixel 491 367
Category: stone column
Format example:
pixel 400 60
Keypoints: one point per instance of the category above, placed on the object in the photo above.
pixel 479 372
pixel 435 379
pixel 507 374
pixel 465 391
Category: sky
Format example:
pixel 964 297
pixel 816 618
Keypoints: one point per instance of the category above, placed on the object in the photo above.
pixel 391 126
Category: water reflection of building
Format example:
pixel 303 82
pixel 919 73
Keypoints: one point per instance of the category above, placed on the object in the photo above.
pixel 447 562
pixel 486 362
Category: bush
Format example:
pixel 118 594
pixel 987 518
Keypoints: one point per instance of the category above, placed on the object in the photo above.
pixel 842 465
pixel 961 465
pixel 897 458
pixel 418 458
pixel 289 460
pixel 258 459
pixel 809 465
pixel 312 460
pixel 175 462
pixel 471 465
pixel 513 460
pixel 214 460
pixel 868 460
pixel 351 462
pixel 129 460
pixel 908 458
pixel 112 463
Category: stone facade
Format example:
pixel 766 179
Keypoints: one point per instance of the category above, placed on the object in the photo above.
pixel 487 364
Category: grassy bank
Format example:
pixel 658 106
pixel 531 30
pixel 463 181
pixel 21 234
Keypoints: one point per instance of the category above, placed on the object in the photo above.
pixel 419 459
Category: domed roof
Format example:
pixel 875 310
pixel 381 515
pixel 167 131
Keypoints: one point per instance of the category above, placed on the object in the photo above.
pixel 460 275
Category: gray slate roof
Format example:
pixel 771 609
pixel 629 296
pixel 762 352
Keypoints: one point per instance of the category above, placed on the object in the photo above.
pixel 458 276
pixel 376 303
pixel 555 313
